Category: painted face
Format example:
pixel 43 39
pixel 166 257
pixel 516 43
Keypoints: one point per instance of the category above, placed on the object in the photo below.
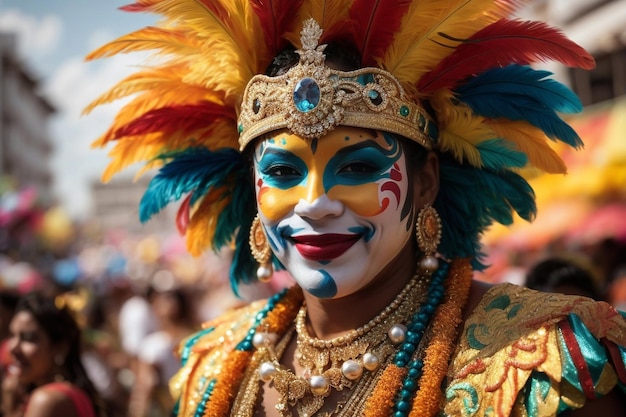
pixel 32 355
pixel 335 210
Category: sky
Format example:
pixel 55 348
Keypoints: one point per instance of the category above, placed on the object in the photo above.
pixel 53 37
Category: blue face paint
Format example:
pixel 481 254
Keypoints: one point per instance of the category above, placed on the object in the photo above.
pixel 281 169
pixel 326 289
pixel 366 232
pixel 363 163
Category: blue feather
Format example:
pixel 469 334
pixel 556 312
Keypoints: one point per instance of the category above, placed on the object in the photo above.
pixel 471 199
pixel 199 171
pixel 521 93
pixel 192 170
pixel 500 154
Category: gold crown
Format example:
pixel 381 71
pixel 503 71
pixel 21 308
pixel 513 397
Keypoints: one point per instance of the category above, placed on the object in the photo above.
pixel 311 99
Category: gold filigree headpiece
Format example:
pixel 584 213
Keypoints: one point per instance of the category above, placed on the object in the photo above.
pixel 311 99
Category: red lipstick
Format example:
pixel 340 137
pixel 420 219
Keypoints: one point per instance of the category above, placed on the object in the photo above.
pixel 324 247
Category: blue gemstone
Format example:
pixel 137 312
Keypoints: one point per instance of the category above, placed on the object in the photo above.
pixel 403 406
pixel 409 385
pixel 306 96
pixel 403 356
pixel 414 373
pixel 405 394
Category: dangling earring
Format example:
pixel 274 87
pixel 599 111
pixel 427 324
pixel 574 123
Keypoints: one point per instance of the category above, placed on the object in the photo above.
pixel 428 232
pixel 58 361
pixel 261 251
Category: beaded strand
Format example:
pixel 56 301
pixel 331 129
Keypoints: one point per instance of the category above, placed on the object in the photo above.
pixel 416 329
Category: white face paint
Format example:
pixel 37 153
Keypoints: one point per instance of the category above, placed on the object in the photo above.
pixel 335 210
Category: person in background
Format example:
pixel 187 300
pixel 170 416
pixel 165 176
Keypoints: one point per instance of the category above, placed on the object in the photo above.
pixel 156 362
pixel 564 275
pixel 8 302
pixel 46 377
pixel 363 146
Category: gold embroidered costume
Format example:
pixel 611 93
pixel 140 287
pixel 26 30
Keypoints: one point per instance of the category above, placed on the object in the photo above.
pixel 521 353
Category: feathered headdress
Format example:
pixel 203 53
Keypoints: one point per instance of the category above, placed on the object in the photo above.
pixel 465 60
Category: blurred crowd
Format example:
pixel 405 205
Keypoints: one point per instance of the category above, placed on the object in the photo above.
pixel 132 298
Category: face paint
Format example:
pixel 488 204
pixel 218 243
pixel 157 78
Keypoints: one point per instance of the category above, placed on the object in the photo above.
pixel 335 210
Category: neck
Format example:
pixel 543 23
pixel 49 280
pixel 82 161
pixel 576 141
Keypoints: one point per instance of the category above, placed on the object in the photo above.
pixel 331 318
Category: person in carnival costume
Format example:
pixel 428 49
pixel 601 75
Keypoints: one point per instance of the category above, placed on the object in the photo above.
pixel 364 146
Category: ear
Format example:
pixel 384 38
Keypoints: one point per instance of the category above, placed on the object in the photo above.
pixel 426 182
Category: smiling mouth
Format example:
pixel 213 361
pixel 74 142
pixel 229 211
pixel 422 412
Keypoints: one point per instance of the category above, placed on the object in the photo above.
pixel 324 247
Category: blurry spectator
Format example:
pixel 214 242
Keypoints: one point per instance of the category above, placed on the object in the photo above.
pixel 610 257
pixel 135 321
pixel 157 363
pixel 564 275
pixel 102 358
pixel 46 376
pixel 8 301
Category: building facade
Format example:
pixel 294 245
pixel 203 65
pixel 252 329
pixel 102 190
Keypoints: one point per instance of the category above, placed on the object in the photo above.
pixel 25 143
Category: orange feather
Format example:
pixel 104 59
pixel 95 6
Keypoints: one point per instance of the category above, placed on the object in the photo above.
pixel 533 142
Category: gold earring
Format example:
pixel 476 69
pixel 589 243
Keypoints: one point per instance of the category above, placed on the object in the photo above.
pixel 260 248
pixel 428 232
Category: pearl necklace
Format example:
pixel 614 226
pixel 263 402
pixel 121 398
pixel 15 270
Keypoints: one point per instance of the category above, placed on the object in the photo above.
pixel 338 363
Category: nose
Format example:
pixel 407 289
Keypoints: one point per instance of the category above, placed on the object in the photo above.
pixel 318 208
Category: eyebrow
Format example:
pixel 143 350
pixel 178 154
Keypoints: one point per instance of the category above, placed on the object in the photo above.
pixel 276 151
pixel 369 143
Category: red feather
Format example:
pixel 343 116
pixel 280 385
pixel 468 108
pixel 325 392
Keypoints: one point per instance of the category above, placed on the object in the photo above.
pixel 500 44
pixel 375 22
pixel 139 6
pixel 182 216
pixel 179 119
pixel 274 17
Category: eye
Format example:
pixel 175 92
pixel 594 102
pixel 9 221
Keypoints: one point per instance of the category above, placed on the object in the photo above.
pixel 283 171
pixel 357 167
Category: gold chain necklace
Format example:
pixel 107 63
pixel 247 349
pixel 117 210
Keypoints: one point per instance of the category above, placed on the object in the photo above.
pixel 337 363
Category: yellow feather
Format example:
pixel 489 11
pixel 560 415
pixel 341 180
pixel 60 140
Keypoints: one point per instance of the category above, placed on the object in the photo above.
pixel 418 47
pixel 460 130
pixel 203 222
pixel 150 38
pixel 129 152
pixel 461 136
pixel 133 149
pixel 533 142
pixel 327 13
pixel 163 83
pixel 234 39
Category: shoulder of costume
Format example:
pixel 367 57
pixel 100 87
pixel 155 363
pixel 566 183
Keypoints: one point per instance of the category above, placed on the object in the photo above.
pixel 208 347
pixel 223 332
pixel 507 312
pixel 563 349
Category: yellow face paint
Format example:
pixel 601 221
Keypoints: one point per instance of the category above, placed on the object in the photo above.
pixel 349 165
pixel 335 210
